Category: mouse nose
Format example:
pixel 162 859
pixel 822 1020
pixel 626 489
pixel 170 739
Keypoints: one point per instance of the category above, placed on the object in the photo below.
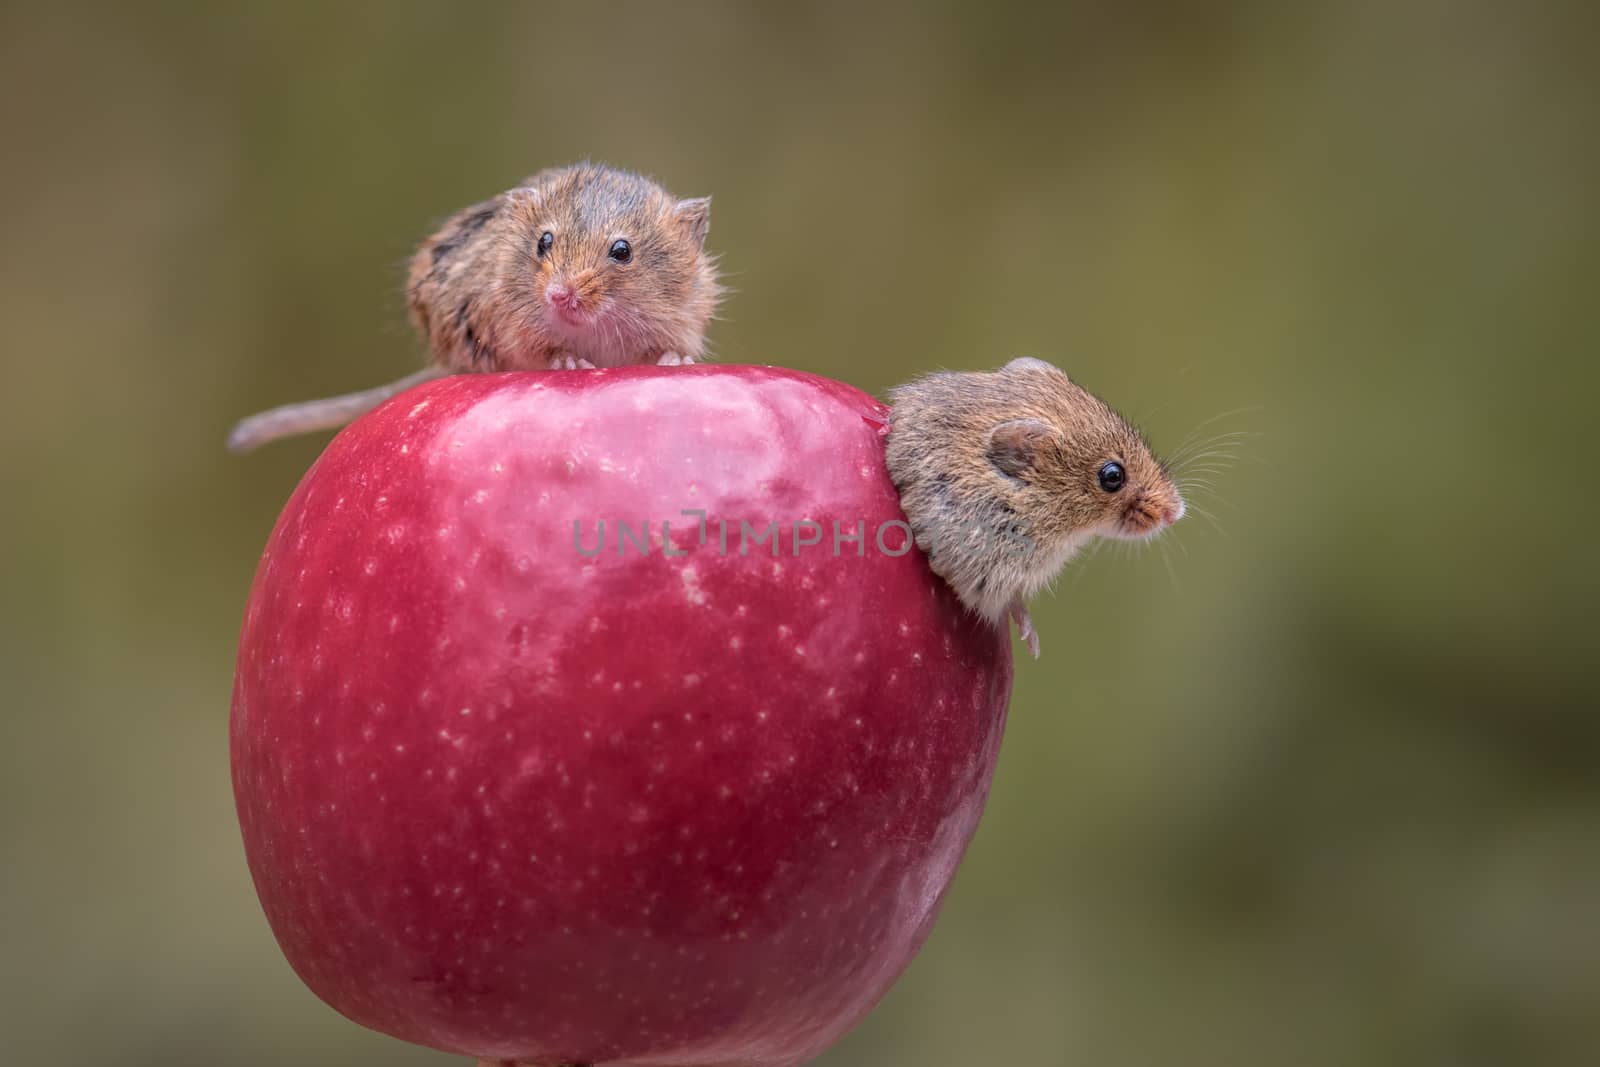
pixel 1173 512
pixel 561 296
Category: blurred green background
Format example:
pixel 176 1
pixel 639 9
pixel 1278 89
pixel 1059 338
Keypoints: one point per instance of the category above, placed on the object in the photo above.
pixel 1321 786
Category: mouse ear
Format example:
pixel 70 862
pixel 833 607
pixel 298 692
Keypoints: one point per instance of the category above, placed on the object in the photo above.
pixel 1029 363
pixel 695 214
pixel 526 197
pixel 1014 446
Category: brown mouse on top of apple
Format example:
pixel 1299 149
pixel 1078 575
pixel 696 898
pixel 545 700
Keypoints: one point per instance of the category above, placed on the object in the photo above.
pixel 580 266
pixel 1003 476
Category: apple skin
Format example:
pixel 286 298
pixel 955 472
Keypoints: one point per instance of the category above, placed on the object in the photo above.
pixel 509 800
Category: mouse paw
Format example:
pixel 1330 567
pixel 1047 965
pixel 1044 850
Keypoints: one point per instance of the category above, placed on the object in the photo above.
pixel 1025 630
pixel 672 359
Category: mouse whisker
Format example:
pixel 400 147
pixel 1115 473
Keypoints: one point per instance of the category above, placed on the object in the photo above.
pixel 1247 409
pixel 1203 450
pixel 1201 479
pixel 1212 519
pixel 1194 442
pixel 1196 490
pixel 1231 437
pixel 1089 553
pixel 1220 455
pixel 1172 572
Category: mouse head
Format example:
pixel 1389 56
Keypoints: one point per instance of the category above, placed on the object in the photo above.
pixel 1074 463
pixel 616 265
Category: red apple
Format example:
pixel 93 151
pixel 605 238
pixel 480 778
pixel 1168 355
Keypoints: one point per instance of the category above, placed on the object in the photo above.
pixel 508 797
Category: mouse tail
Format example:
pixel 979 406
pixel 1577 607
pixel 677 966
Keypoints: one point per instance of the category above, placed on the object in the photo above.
pixel 309 416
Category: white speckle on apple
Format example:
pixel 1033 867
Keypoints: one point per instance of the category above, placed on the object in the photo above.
pixel 691 586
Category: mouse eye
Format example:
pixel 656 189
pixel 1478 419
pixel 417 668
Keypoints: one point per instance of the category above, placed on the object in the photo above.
pixel 1112 477
pixel 621 251
pixel 546 239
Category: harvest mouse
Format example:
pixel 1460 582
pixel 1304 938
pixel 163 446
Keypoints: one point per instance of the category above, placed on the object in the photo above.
pixel 580 266
pixel 1005 475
